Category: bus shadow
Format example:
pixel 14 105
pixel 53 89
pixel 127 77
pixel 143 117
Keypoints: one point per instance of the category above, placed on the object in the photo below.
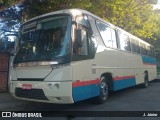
pixel 156 80
pixel 38 106
pixel 124 91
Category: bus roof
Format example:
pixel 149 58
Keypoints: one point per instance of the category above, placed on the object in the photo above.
pixel 76 11
pixel 73 12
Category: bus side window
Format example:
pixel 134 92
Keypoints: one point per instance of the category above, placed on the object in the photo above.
pixel 82 46
pixel 108 35
pixel 143 49
pixel 148 50
pixel 127 43
pixel 135 46
pixel 152 51
pixel 124 41
pixel 114 41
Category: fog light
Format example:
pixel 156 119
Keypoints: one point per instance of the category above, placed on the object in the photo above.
pixel 57 85
pixel 50 85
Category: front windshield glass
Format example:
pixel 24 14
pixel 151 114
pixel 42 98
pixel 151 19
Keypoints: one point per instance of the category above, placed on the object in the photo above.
pixel 44 39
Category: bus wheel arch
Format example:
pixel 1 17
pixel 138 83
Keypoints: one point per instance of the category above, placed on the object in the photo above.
pixel 109 80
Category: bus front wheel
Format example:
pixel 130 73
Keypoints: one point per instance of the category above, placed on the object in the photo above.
pixel 104 90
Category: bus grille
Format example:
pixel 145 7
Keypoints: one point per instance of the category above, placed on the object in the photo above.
pixel 31 94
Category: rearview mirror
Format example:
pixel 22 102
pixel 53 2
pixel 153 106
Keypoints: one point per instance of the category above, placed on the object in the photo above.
pixel 78 42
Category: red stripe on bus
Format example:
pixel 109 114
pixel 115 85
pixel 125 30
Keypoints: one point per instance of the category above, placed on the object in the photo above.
pixel 84 83
pixel 123 77
pixel 149 64
pixel 89 82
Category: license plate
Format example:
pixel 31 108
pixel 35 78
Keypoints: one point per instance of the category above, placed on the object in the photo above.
pixel 27 86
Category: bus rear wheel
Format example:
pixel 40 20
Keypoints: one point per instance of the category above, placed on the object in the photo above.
pixel 104 91
pixel 145 84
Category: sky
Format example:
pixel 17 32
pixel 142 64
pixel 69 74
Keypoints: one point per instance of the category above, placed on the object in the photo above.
pixel 158 5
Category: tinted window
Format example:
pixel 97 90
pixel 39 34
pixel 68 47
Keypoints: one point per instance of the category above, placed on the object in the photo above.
pixel 148 50
pixel 124 42
pixel 135 46
pixel 114 42
pixel 143 49
pixel 108 35
pixel 83 33
pixel 44 41
pixel 86 47
pixel 152 51
pixel 83 50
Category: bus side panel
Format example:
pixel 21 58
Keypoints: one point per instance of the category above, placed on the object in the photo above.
pixel 127 69
pixel 123 82
pixel 88 90
pixel 85 84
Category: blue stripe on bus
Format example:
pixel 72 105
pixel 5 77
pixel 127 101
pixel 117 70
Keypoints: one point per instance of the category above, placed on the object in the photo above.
pixel 120 84
pixel 148 60
pixel 84 92
pixel 88 91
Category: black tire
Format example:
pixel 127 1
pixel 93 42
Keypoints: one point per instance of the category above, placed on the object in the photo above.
pixel 104 91
pixel 145 84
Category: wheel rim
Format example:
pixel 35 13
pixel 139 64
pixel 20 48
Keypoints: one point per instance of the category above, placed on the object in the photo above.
pixel 103 90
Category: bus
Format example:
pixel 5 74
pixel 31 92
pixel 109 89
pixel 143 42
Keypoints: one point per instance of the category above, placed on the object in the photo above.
pixel 71 55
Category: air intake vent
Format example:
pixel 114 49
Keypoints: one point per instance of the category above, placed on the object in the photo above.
pixel 30 79
pixel 31 94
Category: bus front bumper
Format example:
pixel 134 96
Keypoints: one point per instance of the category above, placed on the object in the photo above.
pixel 50 92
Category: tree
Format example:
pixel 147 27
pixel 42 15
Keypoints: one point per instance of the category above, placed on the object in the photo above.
pixel 134 16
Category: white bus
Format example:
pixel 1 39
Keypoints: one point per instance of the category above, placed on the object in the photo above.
pixel 72 55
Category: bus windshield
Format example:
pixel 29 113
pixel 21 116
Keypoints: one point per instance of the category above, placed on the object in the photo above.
pixel 44 39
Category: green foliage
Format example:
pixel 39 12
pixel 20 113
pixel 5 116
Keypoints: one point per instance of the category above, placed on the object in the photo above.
pixel 7 3
pixel 152 1
pixel 134 16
